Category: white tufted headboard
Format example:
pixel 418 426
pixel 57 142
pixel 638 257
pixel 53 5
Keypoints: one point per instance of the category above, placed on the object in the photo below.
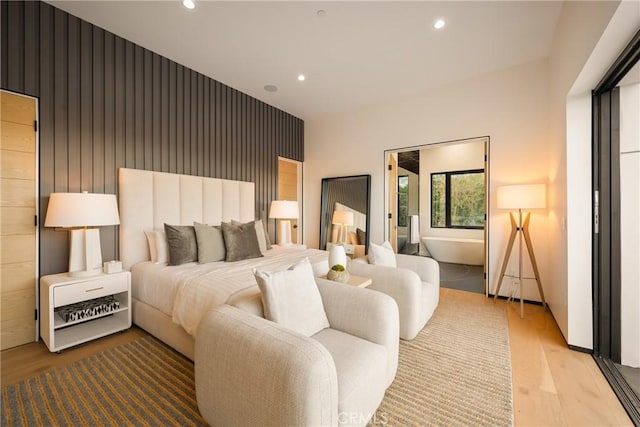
pixel 150 199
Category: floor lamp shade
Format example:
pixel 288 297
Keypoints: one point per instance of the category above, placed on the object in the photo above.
pixel 528 196
pixel 81 212
pixel 284 210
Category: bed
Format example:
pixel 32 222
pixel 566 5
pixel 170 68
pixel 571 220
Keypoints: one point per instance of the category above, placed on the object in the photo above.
pixel 169 301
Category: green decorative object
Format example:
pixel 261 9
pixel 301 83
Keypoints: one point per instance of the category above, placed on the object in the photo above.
pixel 338 274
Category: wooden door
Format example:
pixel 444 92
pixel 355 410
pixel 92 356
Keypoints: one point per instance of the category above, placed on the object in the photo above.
pixel 289 188
pixel 392 179
pixel 18 230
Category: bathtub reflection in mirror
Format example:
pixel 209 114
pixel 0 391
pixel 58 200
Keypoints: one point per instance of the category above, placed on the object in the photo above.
pixel 437 208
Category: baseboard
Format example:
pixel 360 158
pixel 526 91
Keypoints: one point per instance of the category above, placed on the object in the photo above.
pixel 580 349
pixel 629 400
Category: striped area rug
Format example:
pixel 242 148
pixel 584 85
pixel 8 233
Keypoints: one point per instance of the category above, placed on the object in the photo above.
pixel 139 383
pixel 456 372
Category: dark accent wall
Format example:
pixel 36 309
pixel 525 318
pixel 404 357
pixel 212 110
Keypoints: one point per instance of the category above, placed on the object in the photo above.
pixel 106 103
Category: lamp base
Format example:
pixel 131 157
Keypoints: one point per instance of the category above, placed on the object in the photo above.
pixel 284 234
pixel 85 255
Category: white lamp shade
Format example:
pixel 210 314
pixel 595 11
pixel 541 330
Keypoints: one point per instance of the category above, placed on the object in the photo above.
pixel 342 217
pixel 81 210
pixel 528 196
pixel 337 255
pixel 284 209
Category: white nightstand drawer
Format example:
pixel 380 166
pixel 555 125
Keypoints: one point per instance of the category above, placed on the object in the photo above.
pixel 90 289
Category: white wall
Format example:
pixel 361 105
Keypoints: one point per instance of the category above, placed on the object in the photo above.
pixel 510 106
pixel 445 158
pixel 578 232
pixel 629 224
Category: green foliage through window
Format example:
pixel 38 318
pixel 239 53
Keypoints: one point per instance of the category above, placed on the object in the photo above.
pixel 457 199
pixel 403 200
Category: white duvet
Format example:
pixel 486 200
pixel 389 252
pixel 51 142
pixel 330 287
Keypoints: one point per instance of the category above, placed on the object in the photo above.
pixel 188 291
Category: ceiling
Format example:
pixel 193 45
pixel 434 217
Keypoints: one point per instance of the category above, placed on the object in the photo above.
pixel 410 160
pixel 357 54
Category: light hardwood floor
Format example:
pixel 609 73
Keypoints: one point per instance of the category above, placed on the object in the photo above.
pixel 552 385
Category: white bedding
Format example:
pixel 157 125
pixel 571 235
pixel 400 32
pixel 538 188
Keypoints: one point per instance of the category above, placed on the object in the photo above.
pixel 188 291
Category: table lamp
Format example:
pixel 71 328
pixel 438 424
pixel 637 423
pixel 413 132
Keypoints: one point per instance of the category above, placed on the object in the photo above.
pixel 285 211
pixel 82 212
pixel 528 196
pixel 344 219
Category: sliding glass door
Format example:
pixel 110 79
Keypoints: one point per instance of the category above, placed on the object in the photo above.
pixel 616 198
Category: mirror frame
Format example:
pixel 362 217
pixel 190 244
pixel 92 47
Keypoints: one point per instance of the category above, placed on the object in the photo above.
pixel 323 207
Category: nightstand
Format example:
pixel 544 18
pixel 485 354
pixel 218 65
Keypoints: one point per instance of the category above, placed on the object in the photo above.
pixel 61 291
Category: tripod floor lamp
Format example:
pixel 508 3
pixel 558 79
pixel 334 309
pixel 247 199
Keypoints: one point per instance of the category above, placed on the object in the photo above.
pixel 530 196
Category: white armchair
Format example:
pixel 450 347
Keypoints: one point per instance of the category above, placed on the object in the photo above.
pixel 414 284
pixel 250 371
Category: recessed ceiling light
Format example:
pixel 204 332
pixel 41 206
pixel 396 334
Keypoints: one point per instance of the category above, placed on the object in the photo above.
pixel 439 24
pixel 321 12
pixel 189 4
pixel 301 77
pixel 271 88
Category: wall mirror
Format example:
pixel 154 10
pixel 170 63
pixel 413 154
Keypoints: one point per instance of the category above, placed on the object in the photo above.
pixel 344 212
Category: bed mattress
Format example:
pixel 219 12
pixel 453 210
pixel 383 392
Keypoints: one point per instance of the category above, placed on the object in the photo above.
pixel 186 292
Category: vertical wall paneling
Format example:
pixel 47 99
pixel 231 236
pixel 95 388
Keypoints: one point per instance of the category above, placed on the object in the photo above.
pixel 73 104
pixel 171 120
pixel 110 176
pixel 156 140
pixel 106 103
pixel 60 104
pixel 4 45
pixel 31 59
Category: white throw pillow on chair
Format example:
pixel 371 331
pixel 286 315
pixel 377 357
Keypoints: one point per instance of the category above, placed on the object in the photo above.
pixel 382 255
pixel 291 298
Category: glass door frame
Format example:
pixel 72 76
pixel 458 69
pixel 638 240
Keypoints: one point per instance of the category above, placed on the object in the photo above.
pixel 606 270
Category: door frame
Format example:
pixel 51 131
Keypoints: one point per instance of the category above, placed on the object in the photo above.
pixel 37 206
pixel 487 176
pixel 300 198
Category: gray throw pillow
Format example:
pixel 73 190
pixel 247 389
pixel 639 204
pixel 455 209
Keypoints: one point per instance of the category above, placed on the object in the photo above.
pixel 240 241
pixel 183 246
pixel 362 236
pixel 210 243
pixel 261 233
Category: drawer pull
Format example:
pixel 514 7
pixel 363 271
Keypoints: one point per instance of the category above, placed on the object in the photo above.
pixel 94 289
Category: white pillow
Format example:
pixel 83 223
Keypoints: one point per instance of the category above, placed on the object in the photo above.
pixel 158 246
pixel 382 254
pixel 291 298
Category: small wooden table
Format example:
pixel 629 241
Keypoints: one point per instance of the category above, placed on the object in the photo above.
pixel 359 281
